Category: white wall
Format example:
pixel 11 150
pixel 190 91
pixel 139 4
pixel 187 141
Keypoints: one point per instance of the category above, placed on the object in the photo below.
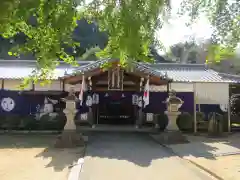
pixel 55 85
pixel 179 87
pixel 77 87
pixel 10 84
pixel 206 93
pixel 212 93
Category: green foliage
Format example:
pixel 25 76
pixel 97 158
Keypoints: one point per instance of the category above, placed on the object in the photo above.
pixel 225 20
pixel 56 21
pixel 162 120
pixel 130 25
pixel 47 122
pixel 11 122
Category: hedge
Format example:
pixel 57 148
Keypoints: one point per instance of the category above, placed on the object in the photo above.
pixel 46 122
pixel 185 122
pixel 162 120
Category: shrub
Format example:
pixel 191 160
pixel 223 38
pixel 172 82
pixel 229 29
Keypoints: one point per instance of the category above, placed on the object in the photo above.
pixel 162 120
pixel 185 122
pixel 28 123
pixel 52 122
pixel 11 122
pixel 60 121
pixel 44 122
pixel 2 120
pixel 235 104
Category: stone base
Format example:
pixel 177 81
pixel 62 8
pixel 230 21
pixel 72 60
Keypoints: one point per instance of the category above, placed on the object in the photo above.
pixel 172 123
pixel 69 139
pixel 170 137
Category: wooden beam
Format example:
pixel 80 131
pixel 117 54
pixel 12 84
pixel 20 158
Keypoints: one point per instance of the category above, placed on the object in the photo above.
pixel 2 84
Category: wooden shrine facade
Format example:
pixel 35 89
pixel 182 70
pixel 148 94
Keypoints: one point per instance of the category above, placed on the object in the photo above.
pixel 116 78
pixel 115 86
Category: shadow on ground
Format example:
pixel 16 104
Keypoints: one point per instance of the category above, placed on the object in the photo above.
pixel 207 147
pixel 141 149
pixel 137 148
pixel 58 158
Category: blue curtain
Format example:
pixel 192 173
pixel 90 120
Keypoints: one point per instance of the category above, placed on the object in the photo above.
pixel 12 102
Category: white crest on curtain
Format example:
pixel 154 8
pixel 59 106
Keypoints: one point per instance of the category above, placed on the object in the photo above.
pixel 84 116
pixel 7 104
pixel 224 107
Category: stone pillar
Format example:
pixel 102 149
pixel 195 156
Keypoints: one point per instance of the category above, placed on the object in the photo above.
pixel 140 118
pixel 155 121
pixel 172 120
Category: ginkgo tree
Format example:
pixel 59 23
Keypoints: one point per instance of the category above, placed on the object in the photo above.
pixel 131 26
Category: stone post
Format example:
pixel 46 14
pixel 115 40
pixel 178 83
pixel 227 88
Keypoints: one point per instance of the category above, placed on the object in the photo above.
pixel 155 121
pixel 140 118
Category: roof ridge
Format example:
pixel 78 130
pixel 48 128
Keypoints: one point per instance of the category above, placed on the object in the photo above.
pixel 181 65
pixel 229 75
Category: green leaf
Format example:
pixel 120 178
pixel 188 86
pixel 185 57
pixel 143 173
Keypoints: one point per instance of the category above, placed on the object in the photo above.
pixel 10 53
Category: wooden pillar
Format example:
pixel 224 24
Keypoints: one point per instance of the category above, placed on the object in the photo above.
pixel 140 112
pixel 2 84
pixel 229 110
pixel 194 110
pixel 168 87
pixel 90 113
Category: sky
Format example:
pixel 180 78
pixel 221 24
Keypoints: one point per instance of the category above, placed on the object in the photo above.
pixel 176 31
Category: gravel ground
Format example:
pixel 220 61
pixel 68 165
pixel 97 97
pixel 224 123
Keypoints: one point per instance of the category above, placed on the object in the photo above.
pixel 226 167
pixel 32 157
pixel 130 156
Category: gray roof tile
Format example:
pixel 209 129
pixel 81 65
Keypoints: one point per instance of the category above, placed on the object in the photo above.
pixel 23 72
pixel 189 72
pixel 174 71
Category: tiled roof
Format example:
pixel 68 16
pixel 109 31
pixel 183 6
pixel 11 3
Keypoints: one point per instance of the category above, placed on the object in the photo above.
pixel 22 72
pixel 140 66
pixel 232 77
pixel 189 72
pixel 19 69
pixel 174 71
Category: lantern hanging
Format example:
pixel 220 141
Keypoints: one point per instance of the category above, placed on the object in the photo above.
pixel 135 99
pixel 95 98
pixel 140 103
pixel 89 101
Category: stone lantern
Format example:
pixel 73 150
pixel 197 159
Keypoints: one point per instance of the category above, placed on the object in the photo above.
pixel 69 137
pixel 173 104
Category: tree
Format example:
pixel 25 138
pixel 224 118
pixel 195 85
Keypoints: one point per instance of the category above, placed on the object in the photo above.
pixel 187 52
pixel 224 16
pixel 130 25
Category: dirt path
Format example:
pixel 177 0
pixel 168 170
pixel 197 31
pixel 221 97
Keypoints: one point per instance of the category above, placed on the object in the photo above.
pixel 31 157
